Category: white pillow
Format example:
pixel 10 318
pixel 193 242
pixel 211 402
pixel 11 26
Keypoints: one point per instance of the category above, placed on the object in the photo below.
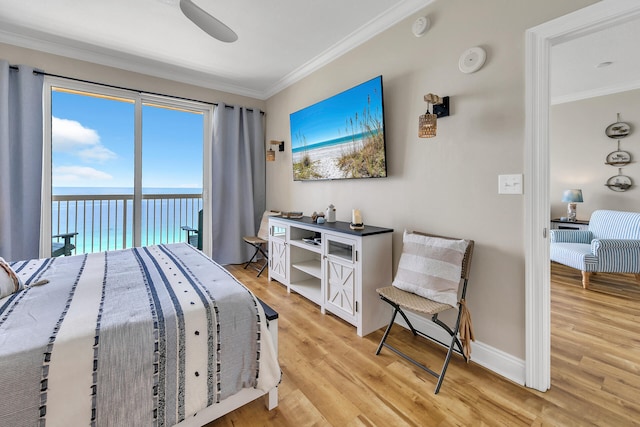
pixel 431 267
pixel 9 281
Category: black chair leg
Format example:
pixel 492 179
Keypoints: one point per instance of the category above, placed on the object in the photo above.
pixel 254 255
pixel 386 333
pixel 266 261
pixel 451 348
pixel 258 251
pixel 446 365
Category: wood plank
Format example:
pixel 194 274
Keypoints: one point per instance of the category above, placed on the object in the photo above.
pixel 333 377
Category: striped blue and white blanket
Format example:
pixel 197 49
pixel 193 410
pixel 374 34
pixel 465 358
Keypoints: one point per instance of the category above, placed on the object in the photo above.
pixel 137 337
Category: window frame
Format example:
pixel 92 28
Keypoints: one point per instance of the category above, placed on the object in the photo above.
pixel 139 99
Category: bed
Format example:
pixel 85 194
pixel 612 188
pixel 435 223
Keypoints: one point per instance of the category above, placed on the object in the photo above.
pixel 157 336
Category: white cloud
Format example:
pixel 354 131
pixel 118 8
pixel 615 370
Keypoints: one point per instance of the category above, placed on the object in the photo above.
pixel 68 135
pixel 98 153
pixel 72 137
pixel 79 176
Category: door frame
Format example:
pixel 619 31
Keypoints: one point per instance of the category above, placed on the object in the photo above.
pixel 538 41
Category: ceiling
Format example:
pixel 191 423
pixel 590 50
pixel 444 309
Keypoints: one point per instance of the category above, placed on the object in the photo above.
pixel 278 42
pixel 579 68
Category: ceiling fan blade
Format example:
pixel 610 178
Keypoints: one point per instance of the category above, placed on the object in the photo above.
pixel 207 23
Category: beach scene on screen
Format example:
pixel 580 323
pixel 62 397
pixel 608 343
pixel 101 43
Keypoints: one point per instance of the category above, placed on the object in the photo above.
pixel 341 137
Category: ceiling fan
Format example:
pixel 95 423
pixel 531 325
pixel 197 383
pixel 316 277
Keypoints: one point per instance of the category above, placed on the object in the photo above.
pixel 207 23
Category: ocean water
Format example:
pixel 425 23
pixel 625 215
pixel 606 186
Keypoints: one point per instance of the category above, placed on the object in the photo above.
pixel 333 142
pixel 108 224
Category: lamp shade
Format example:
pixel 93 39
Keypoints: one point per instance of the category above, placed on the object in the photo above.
pixel 271 155
pixel 427 126
pixel 572 196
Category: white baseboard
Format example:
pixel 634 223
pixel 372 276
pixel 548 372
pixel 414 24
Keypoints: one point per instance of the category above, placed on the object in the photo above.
pixel 484 355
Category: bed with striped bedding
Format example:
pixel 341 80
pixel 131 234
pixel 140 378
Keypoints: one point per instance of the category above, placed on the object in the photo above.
pixel 143 336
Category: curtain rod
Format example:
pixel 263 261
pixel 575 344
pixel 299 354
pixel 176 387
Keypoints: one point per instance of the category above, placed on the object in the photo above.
pixel 16 68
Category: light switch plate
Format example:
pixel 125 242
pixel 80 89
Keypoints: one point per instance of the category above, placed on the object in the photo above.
pixel 510 184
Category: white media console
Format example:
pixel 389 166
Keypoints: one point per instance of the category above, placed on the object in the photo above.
pixel 334 266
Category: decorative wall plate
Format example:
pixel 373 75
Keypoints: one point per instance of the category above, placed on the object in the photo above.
pixel 619 183
pixel 618 158
pixel 618 129
pixel 472 60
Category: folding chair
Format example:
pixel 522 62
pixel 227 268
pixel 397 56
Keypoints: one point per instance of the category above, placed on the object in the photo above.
pixel 194 236
pixel 402 300
pixel 260 241
pixel 63 248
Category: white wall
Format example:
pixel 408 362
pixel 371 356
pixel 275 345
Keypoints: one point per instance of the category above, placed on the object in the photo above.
pixel 579 148
pixel 448 184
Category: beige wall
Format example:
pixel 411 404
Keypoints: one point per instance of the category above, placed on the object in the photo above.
pixel 66 67
pixel 579 148
pixel 447 184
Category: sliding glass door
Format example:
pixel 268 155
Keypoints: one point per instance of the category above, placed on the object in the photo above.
pixel 121 168
pixel 92 169
pixel 171 172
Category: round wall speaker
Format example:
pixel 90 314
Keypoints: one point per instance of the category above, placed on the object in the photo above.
pixel 472 60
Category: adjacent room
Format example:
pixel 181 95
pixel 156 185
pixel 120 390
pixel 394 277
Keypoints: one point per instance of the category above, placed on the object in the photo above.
pixel 294 214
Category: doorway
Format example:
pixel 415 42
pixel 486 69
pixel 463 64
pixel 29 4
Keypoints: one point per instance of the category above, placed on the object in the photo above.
pixel 539 41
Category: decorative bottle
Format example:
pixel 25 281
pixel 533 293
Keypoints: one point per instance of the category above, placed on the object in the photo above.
pixel 330 214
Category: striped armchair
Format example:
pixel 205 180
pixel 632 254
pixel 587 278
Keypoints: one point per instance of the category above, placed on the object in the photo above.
pixel 610 245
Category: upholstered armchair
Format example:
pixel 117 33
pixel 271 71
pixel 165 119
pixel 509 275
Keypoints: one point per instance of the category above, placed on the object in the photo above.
pixel 610 245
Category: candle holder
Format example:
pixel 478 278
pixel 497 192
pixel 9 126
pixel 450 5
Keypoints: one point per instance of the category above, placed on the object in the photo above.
pixel 356 220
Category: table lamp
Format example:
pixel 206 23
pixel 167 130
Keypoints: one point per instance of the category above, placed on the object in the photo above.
pixel 572 197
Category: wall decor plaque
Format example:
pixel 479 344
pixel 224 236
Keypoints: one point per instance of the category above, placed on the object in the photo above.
pixel 618 158
pixel 619 183
pixel 618 129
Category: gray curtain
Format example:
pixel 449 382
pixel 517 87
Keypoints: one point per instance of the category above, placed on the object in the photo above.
pixel 20 161
pixel 238 174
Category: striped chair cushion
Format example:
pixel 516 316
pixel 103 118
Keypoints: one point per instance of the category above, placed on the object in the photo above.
pixel 430 267
pixel 574 255
pixel 9 281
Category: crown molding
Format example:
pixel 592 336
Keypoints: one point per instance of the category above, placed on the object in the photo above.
pixel 592 93
pixel 30 38
pixel 374 27
pixel 79 50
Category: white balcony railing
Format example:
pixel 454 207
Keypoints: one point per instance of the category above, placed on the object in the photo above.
pixel 105 222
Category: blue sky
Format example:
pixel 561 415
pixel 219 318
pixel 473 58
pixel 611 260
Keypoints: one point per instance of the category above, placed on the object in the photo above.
pixel 326 120
pixel 93 144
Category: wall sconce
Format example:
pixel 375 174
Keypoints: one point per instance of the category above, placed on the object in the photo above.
pixel 271 154
pixel 428 122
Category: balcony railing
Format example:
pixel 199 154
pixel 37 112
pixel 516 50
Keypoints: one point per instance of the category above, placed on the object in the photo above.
pixel 105 222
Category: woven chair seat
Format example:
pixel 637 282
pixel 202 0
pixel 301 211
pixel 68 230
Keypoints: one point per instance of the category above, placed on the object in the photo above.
pixel 412 301
pixel 254 240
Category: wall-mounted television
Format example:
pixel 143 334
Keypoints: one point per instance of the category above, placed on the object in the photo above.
pixel 341 137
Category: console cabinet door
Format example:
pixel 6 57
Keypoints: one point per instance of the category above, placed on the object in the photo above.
pixel 278 252
pixel 341 277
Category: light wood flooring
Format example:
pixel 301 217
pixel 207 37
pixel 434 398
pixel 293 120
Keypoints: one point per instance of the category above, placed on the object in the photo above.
pixel 331 377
